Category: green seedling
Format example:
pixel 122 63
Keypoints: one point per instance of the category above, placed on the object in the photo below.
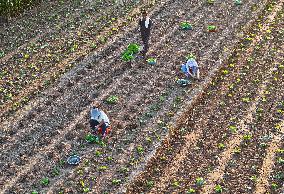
pixel 91 138
pixel 263 145
pixel 103 168
pixel 150 184
pixel 116 181
pixel 233 128
pixel 44 181
pixel 86 189
pixel 210 1
pixel 148 139
pixel 112 100
pixel 124 169
pixel 280 160
pixel 134 48
pixel 190 191
pixel 225 72
pixel 280 151
pixel 176 183
pixel 221 146
pixel 200 181
pixel 109 158
pixel 2 54
pixel 253 178
pixel 140 149
pixel 218 189
pixel 55 171
pixel 185 26
pixel 247 137
pixel 246 99
pixel 98 153
pixel 212 28
pixel 34 192
pixel 127 56
pixel 274 186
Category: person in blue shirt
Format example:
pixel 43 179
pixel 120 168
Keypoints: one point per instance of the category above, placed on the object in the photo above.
pixel 99 120
pixel 191 69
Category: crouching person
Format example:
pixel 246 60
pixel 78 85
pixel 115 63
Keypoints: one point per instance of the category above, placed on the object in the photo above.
pixel 191 69
pixel 99 121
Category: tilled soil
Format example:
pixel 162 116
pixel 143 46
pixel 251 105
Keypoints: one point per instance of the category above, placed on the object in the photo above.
pixel 184 158
pixel 57 122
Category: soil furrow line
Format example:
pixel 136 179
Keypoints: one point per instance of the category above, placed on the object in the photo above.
pixel 267 166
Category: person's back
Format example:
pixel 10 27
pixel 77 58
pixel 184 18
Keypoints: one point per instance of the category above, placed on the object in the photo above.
pixel 99 115
pixel 190 68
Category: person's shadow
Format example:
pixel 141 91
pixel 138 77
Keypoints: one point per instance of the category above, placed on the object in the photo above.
pixel 3 21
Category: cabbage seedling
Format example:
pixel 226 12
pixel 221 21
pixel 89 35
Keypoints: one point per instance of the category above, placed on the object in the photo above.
pixel 185 26
pixel 44 181
pixel 112 99
pixel 200 181
pixel 218 189
pixel 212 28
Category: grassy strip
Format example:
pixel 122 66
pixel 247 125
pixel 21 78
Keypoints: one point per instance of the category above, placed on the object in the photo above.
pixel 13 7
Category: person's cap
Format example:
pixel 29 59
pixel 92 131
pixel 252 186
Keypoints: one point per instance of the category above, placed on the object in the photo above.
pixel 143 12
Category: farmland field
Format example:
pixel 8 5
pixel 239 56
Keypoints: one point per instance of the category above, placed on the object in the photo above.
pixel 221 134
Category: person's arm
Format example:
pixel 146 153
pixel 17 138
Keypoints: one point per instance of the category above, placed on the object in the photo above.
pixel 150 24
pixel 101 123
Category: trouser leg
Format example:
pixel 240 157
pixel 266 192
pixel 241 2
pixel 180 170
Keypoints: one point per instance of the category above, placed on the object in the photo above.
pixel 145 40
pixel 104 127
pixel 93 124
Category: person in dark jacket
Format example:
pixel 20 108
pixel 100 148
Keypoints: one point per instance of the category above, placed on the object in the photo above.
pixel 145 24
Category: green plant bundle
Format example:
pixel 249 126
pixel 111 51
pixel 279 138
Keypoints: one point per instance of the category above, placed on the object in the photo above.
pixel 129 53
pixel 186 26
pixel 133 48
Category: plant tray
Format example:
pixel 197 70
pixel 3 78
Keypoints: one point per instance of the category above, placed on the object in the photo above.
pixel 73 160
pixel 183 82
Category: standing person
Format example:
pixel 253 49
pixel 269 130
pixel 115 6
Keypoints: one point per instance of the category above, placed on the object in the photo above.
pixel 99 120
pixel 190 68
pixel 145 24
